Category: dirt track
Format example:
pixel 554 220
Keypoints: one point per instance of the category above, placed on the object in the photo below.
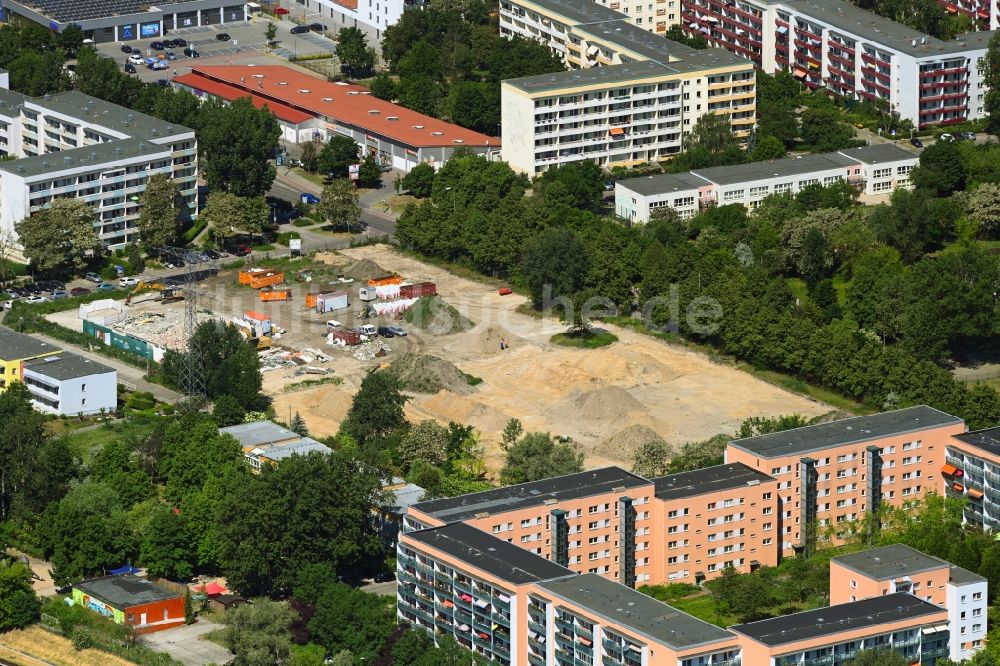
pixel 607 400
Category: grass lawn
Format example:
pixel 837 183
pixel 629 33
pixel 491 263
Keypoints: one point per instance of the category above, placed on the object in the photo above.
pixel 584 340
pixel 840 285
pixel 988 245
pixel 315 178
pixel 799 289
pixel 815 392
pixel 399 202
pixel 702 606
pixel 84 442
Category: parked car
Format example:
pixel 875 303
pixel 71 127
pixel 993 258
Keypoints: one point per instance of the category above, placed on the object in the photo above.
pixel 79 291
pixel 129 68
pixel 383 577
pixel 223 37
pixel 946 137
pixel 300 29
pixel 36 299
pixel 386 332
pixel 333 323
pixel 93 277
pixel 16 293
pixel 128 281
pixel 169 44
pixel 609 186
pixel 156 46
pixel 107 286
pixel 126 48
pixel 158 65
pixel 240 250
pixel 317 27
pixel 171 55
pixel 398 331
pixel 163 83
pixel 180 41
pixel 968 136
pixel 367 329
pixel 211 254
pixel 916 143
pixel 58 295
pixel 136 59
pixel 308 198
pixel 191 53
pixel 7 305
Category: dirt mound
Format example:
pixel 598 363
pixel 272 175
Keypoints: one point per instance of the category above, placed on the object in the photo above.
pixel 462 409
pixel 607 403
pixel 433 315
pixel 422 373
pixel 365 269
pixel 487 340
pixel 624 443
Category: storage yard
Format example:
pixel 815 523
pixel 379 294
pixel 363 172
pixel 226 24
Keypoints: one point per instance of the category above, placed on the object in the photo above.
pixel 608 400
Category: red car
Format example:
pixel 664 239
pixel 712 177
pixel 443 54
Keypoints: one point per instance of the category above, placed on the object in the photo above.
pixel 280 11
pixel 78 291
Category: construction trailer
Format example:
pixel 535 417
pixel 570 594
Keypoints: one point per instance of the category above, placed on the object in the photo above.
pixel 329 302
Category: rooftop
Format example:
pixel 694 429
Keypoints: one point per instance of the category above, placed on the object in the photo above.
pixel 878 153
pixel 300 446
pixel 708 480
pixel 535 493
pixel 405 497
pixel 854 430
pixel 592 76
pixel 636 611
pixel 66 11
pixel 123 592
pixel 890 562
pixel 959 576
pixel 663 183
pixel 339 102
pixel 988 439
pixel 578 12
pixel 16 346
pixel 487 553
pixel 111 116
pixel 260 432
pixel 98 154
pixel 789 166
pixel 871 613
pixel 230 93
pixel 66 366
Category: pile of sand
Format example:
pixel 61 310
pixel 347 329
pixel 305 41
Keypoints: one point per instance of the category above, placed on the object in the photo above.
pixel 423 373
pixel 432 314
pixel 487 341
pixel 624 443
pixel 447 406
pixel 607 403
pixel 365 269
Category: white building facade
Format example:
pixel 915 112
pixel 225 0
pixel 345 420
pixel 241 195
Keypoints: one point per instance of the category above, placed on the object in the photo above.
pixel 967 608
pixel 76 146
pixel 370 16
pixel 68 385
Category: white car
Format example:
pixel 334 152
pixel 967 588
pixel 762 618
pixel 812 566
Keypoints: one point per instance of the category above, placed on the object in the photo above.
pixel 136 59
pixel 333 323
pixel 36 299
pixel 7 305
pixel 128 281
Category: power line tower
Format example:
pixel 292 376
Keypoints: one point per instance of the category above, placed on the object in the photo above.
pixel 198 266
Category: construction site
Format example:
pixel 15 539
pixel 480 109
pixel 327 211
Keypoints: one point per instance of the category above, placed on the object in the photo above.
pixel 471 357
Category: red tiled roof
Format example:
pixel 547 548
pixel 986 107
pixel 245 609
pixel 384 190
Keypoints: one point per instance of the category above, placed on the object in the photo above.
pixel 340 102
pixel 229 93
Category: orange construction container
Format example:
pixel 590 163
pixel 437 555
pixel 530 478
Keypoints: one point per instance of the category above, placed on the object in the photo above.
pixel 261 277
pixel 384 280
pixel 275 294
pixel 311 300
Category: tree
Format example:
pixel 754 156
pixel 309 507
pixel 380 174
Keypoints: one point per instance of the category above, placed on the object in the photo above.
pixel 377 409
pixel 554 265
pixel 354 52
pixel 744 595
pixel 349 619
pixel 983 207
pixel 651 459
pixel 309 157
pixel 228 213
pixel 712 132
pixel 823 130
pixel 62 234
pixel 778 119
pixel 8 241
pixel 167 548
pixel 136 262
pixel 473 104
pixel 338 203
pixel 257 633
pixel 989 69
pixel 419 181
pixel 511 433
pixel 537 456
pixel 337 155
pixel 883 657
pixel 941 169
pixel 229 364
pixel 270 32
pixel 237 142
pixel 158 212
pixel 332 496
pixel 19 606
pixel 696 455
pixel 384 87
pixel 767 148
pixel 298 426
pixel 582 184
pixel 36 73
pixel 756 426
pixel 426 441
pixel 370 173
pixel 115 466
pixel 228 411
pixel 22 435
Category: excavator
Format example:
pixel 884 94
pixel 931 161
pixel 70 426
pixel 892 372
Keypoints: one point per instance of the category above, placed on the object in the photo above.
pixel 252 333
pixel 167 294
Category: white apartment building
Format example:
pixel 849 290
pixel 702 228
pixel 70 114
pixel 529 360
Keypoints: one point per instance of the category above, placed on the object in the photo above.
pixel 876 170
pixel 370 16
pixel 630 97
pixel 967 608
pixel 73 145
pixel 67 385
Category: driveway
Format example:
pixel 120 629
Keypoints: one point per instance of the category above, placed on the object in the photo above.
pixel 186 645
pixel 387 588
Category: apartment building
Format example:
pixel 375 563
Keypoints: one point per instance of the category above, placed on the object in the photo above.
pixel 17 348
pixel 831 474
pixel 834 635
pixel 372 17
pixel 70 385
pixel 898 568
pixel 852 52
pixel 711 518
pixel 600 521
pixel 875 170
pixel 630 96
pixel 972 472
pixel 76 146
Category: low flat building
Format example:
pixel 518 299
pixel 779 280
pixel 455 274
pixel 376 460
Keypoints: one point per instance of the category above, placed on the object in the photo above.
pixel 875 170
pixel 265 442
pixel 15 349
pixel 901 622
pixel 899 568
pixel 140 605
pixel 123 20
pixel 69 385
pixel 313 109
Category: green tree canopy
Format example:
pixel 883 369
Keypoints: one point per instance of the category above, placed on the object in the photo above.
pixel 377 409
pixel 338 203
pixel 158 208
pixel 257 633
pixel 537 456
pixel 19 606
pixel 237 142
pixel 60 235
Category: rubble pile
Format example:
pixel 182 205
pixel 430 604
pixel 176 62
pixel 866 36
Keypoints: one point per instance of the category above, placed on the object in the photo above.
pixel 275 358
pixel 369 350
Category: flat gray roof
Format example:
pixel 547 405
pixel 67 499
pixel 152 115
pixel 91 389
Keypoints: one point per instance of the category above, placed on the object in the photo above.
pixel 15 346
pixel 10 99
pixel 629 37
pixel 663 183
pixel 535 493
pixel 708 480
pixel 987 439
pixel 260 432
pixel 123 592
pixel 298 447
pixel 86 156
pixel 66 11
pixel 877 153
pixel 636 611
pixel 592 76
pixel 66 366
pixel 845 431
pixel 579 11
pixel 119 118
pixel 485 552
pixel 889 562
pixel 959 576
pixel 789 166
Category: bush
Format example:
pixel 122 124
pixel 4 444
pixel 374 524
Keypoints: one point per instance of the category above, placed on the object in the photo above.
pixel 196 228
pixel 304 222
pixel 285 236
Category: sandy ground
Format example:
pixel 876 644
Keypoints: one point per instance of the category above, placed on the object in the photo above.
pixel 36 647
pixel 607 400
